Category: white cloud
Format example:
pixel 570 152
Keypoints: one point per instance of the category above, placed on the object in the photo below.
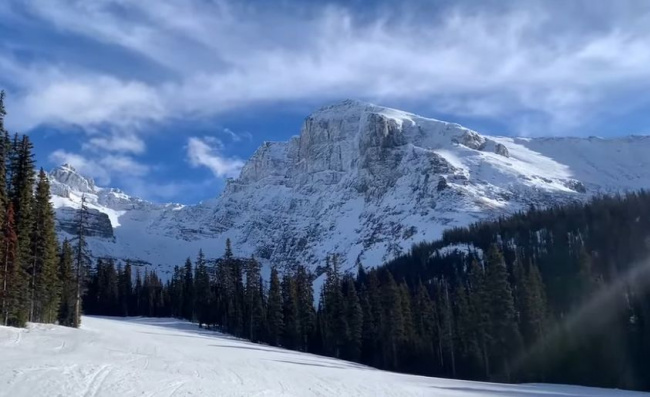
pixel 200 153
pixel 532 56
pixel 237 136
pixel 117 142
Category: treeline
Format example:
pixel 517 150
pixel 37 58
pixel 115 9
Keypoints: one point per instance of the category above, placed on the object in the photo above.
pixel 558 295
pixel 38 281
pixel 542 296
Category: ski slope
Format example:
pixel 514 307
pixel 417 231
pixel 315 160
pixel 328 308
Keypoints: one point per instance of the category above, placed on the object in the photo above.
pixel 167 357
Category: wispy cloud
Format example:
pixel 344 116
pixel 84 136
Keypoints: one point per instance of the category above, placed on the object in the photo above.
pixel 222 55
pixel 206 152
pixel 541 66
pixel 116 142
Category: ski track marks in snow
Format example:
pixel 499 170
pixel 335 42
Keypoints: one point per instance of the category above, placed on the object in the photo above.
pixel 171 358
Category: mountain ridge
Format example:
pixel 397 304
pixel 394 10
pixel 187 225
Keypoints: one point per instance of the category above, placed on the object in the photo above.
pixel 361 180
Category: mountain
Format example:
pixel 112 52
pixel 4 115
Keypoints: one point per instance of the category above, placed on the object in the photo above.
pixel 360 180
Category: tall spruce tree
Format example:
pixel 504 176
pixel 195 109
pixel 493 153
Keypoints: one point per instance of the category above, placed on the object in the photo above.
pixel 126 290
pixel 291 333
pixel 21 194
pixel 333 309
pixel 274 314
pixel 506 338
pixel 46 288
pixel 202 290
pixel 354 320
pixel 254 301
pixel 393 325
pixel 425 329
pixel 188 291
pixel 14 279
pixel 82 261
pixel 68 281
pixel 305 301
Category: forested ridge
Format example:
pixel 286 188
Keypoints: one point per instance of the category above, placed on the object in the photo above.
pixel 557 295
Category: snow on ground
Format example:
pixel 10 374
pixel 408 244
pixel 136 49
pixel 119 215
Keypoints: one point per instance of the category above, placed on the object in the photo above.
pixel 168 357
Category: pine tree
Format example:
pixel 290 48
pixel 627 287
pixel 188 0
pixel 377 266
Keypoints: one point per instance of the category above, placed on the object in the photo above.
pixel 291 334
pixel 188 292
pixel 407 314
pixel 202 289
pixel 446 323
pixel 478 304
pixel 14 279
pixel 274 310
pixel 21 194
pixel 393 326
pixel 176 292
pixel 425 327
pixel 306 313
pixel 334 320
pixel 254 301
pixel 67 280
pixel 126 290
pixel 373 319
pixel 46 288
pixel 138 294
pixel 81 259
pixel 354 319
pixel 506 339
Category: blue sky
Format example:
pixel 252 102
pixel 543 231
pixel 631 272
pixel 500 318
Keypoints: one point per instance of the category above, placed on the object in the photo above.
pixel 167 101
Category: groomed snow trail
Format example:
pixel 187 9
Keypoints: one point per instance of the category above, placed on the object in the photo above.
pixel 167 357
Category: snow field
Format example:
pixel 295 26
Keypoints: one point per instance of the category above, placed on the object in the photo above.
pixel 169 357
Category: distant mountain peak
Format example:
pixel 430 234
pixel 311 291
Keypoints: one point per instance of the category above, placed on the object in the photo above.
pixel 364 181
pixel 68 176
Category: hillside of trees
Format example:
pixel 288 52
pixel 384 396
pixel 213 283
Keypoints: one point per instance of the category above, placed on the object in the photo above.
pixel 556 295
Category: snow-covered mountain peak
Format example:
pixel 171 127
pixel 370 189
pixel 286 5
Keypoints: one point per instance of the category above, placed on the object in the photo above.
pixel 363 181
pixel 65 178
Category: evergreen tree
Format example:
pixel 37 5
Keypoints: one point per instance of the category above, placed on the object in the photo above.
pixel 505 334
pixel 21 194
pixel 274 315
pixel 354 320
pixel 254 301
pixel 305 301
pixel 14 278
pixel 202 290
pixel 291 331
pixel 176 292
pixel 480 323
pixel 138 294
pixel 425 329
pixel 188 292
pixel 333 310
pixel 393 327
pixel 446 324
pixel 46 288
pixel 67 280
pixel 81 259
pixel 126 290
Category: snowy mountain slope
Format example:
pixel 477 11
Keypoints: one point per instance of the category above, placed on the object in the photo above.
pixel 363 181
pixel 125 357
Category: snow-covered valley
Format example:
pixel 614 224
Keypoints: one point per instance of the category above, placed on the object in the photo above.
pixel 124 357
pixel 363 181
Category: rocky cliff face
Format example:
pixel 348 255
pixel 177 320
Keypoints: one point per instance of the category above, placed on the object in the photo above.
pixel 362 181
